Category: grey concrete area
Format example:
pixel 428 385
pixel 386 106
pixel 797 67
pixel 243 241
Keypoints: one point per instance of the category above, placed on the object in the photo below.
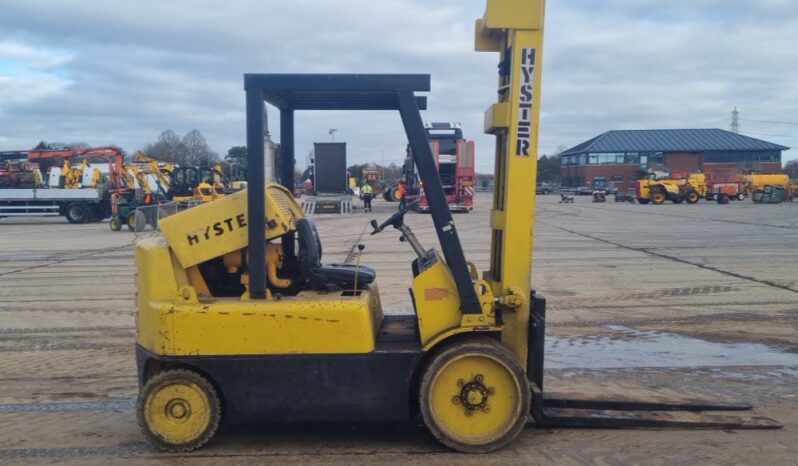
pixel 647 301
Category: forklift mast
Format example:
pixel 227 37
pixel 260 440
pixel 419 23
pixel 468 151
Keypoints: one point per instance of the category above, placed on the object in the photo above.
pixel 514 28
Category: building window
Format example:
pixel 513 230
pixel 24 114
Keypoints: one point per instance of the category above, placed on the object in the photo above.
pixel 617 178
pixel 742 157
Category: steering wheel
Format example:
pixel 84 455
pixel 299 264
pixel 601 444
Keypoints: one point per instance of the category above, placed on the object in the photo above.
pixel 397 219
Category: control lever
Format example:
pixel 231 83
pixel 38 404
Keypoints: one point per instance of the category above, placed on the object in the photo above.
pixel 398 222
pixel 397 219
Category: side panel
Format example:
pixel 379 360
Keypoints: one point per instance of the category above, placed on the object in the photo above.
pixel 311 322
pixel 310 388
pixel 437 301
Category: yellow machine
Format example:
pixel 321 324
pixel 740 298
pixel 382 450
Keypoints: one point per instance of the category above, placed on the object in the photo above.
pixel 73 175
pixel 238 317
pixel 689 188
pixel 757 181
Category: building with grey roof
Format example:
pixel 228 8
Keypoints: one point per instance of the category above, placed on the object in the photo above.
pixel 621 157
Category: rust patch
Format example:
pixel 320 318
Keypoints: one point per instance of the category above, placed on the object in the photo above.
pixel 436 294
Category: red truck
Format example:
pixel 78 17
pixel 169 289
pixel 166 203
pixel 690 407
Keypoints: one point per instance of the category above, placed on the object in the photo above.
pixel 456 166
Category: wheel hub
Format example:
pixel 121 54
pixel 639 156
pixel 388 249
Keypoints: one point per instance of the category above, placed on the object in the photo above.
pixel 473 395
pixel 178 409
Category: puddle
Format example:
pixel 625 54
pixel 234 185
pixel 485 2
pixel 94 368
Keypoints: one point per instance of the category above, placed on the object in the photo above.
pixel 642 348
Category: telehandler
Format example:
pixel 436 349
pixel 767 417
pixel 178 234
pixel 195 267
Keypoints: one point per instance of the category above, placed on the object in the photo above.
pixel 239 319
pixel 677 187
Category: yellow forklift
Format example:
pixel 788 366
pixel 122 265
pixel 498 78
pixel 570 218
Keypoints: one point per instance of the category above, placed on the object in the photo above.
pixel 240 320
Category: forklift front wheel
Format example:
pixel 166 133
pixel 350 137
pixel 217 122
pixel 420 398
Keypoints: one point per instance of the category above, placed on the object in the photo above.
pixel 116 225
pixel 474 396
pixel 178 410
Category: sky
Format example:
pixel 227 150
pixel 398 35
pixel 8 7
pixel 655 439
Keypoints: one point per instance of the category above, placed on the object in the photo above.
pixel 121 72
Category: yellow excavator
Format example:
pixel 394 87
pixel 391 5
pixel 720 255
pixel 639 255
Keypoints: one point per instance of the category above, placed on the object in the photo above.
pixel 240 319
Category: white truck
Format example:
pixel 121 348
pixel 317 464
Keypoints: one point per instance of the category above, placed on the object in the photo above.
pixel 77 205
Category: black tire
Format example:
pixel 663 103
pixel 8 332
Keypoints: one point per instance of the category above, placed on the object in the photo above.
pixel 740 196
pixel 489 350
pixel 658 197
pixel 131 221
pixel 678 199
pixel 692 197
pixel 77 212
pixel 115 223
pixel 723 199
pixel 643 200
pixel 169 377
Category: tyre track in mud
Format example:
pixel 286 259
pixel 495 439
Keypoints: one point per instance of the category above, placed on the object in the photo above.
pixel 73 256
pixel 741 317
pixel 688 217
pixel 660 255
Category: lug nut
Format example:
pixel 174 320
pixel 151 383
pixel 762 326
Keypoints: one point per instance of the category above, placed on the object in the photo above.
pixel 456 400
pixel 478 378
pixel 460 382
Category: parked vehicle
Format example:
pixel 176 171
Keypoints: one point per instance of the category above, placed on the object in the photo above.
pixel 677 188
pixel 546 188
pixel 606 186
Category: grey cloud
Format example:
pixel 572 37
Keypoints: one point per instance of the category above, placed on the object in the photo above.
pixel 135 68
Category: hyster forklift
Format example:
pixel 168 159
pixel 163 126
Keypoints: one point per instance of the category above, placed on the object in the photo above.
pixel 240 320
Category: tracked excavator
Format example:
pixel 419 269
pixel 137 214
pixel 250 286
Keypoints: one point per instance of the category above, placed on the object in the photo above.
pixel 239 317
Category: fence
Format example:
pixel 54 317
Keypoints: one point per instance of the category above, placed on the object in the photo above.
pixel 147 217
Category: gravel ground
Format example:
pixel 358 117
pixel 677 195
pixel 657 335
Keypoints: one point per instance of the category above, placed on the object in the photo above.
pixel 647 301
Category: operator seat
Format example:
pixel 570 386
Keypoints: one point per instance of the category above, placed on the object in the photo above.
pixel 329 277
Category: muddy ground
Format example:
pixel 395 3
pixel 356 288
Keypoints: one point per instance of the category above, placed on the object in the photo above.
pixel 646 301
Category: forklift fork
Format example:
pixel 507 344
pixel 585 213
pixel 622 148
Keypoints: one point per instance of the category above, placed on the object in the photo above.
pixel 563 410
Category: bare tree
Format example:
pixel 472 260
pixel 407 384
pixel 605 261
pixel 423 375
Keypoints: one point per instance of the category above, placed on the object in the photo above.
pixel 791 169
pixel 197 151
pixel 190 150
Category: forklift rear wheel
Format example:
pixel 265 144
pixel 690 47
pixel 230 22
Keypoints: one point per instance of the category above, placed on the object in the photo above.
pixel 116 225
pixel 658 197
pixel 474 396
pixel 692 197
pixel 178 410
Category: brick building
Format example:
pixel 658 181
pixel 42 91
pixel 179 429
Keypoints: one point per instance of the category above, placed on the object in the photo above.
pixel 623 156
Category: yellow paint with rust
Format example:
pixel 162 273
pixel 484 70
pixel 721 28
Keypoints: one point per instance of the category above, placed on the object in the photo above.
pixel 438 306
pixel 216 228
pixel 173 320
